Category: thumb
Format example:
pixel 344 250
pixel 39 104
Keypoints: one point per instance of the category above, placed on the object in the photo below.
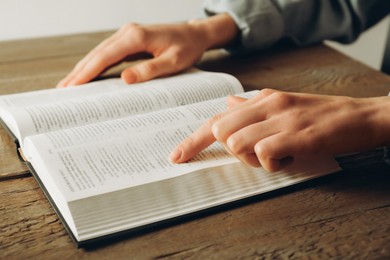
pixel 147 70
pixel 233 101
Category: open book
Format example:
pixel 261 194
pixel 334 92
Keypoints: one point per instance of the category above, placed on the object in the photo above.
pixel 100 152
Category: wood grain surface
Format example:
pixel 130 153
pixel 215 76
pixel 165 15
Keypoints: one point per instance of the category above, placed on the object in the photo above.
pixel 345 216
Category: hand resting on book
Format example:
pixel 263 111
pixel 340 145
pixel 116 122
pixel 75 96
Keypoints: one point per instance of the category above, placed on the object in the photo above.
pixel 174 47
pixel 274 127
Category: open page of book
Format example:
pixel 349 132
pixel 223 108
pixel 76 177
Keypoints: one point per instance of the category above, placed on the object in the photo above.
pixel 111 176
pixel 122 153
pixel 48 110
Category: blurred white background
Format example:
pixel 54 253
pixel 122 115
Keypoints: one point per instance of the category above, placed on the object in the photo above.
pixel 21 19
pixel 36 18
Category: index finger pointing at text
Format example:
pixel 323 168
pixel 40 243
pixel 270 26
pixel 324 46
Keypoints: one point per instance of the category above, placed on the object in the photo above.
pixel 195 143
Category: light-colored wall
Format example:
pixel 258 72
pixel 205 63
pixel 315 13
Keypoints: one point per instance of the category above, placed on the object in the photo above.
pixel 36 18
pixel 369 47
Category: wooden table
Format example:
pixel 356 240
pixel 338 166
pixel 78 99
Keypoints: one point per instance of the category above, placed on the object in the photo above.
pixel 345 216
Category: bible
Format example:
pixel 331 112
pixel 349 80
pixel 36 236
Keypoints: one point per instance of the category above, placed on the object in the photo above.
pixel 100 152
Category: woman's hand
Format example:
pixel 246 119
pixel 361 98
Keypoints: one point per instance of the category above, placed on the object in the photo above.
pixel 173 47
pixel 274 127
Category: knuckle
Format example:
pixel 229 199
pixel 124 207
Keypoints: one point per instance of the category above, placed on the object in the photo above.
pixel 125 28
pixel 99 59
pixel 149 68
pixel 128 26
pixel 187 143
pixel 177 59
pixel 217 131
pixel 134 32
pixel 235 144
pixel 282 99
pixel 262 151
pixel 266 157
pixel 214 126
pixel 266 92
pixel 214 119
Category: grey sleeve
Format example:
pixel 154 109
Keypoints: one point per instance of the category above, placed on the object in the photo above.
pixel 386 156
pixel 264 22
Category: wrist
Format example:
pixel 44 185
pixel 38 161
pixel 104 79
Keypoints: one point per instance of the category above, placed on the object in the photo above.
pixel 381 119
pixel 217 31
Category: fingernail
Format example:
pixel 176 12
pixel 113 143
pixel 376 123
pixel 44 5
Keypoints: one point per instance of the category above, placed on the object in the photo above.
pixel 176 155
